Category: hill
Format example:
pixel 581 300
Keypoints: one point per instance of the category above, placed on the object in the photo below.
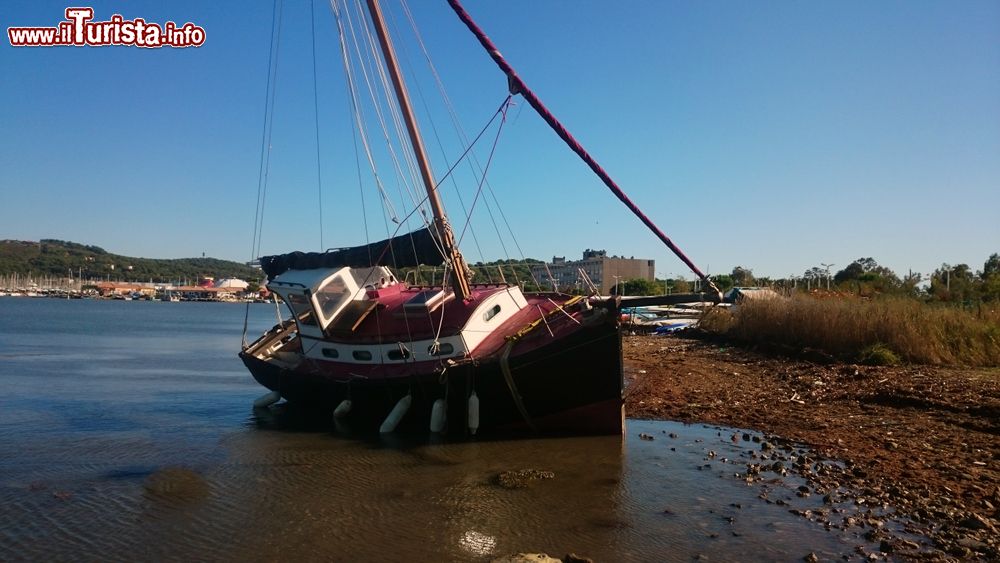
pixel 57 258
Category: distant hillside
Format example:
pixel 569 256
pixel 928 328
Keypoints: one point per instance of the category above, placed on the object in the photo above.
pixel 50 257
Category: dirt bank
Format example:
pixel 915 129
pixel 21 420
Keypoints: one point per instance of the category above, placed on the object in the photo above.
pixel 924 441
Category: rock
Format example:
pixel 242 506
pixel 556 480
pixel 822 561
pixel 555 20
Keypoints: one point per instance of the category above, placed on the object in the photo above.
pixel 973 544
pixel 522 478
pixel 959 551
pixel 811 558
pixel 974 522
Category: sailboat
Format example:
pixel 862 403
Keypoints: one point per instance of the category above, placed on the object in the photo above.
pixel 461 357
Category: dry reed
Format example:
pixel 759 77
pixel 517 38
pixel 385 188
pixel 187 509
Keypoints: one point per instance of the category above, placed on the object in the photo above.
pixel 848 327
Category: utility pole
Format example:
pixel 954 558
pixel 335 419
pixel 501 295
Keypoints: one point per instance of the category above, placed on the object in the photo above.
pixel 827 268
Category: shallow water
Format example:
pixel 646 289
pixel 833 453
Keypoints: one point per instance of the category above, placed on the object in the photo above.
pixel 126 433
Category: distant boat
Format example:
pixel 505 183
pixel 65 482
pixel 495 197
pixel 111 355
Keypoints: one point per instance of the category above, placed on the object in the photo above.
pixel 457 356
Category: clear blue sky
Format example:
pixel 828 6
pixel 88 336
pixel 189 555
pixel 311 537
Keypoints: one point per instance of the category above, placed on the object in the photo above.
pixel 774 135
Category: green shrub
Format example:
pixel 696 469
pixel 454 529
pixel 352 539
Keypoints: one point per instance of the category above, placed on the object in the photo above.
pixel 878 355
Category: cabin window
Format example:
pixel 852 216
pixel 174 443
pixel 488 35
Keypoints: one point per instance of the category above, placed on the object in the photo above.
pixel 331 296
pixel 330 353
pixel 494 311
pixel 398 354
pixel 301 308
pixel 443 349
pixel 362 355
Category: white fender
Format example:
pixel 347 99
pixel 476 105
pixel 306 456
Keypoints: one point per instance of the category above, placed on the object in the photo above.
pixel 396 415
pixel 266 400
pixel 438 415
pixel 473 413
pixel 343 409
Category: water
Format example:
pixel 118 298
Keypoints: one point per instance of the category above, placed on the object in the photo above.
pixel 126 433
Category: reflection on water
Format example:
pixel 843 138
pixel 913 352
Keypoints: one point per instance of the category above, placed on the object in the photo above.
pixel 134 439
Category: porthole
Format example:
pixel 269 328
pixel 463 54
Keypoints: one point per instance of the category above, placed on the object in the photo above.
pixel 494 311
pixel 443 349
pixel 398 354
pixel 362 355
pixel 330 353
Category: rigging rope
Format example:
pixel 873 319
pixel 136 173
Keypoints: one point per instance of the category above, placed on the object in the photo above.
pixel 319 171
pixel 489 160
pixel 374 93
pixel 359 120
pixel 474 164
pixel 517 86
pixel 270 86
pixel 405 61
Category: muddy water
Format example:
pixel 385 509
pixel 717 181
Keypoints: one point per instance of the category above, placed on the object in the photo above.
pixel 126 433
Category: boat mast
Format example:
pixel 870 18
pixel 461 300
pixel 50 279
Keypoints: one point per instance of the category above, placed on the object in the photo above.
pixel 460 281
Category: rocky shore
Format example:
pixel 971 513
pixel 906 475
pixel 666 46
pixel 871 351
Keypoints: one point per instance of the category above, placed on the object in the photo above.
pixel 913 451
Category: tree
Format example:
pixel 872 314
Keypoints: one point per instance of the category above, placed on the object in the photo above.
pixel 639 286
pixel 954 283
pixel 868 277
pixel 681 285
pixel 852 272
pixel 723 281
pixel 742 277
pixel 813 276
pixel 992 266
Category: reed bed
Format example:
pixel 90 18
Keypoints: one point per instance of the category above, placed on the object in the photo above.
pixel 878 331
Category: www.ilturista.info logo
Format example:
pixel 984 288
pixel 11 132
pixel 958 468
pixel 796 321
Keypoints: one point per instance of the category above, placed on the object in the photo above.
pixel 78 30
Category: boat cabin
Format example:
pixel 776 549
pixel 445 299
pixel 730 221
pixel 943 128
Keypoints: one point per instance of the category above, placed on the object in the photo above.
pixel 330 307
pixel 325 301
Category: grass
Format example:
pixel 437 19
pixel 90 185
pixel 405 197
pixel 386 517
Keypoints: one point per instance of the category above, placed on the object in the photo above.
pixel 883 331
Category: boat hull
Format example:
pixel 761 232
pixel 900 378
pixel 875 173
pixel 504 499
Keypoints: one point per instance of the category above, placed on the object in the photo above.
pixel 572 384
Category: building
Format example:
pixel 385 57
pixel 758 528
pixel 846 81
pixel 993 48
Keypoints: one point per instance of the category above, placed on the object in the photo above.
pixel 110 289
pixel 602 269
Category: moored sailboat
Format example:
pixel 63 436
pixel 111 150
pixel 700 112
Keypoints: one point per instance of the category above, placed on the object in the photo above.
pixel 457 356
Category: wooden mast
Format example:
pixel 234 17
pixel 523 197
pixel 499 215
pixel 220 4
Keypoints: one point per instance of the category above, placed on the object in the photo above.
pixel 460 281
